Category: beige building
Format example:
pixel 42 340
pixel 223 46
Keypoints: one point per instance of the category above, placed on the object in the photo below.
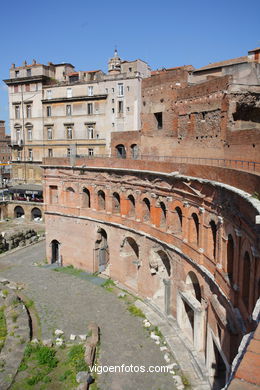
pixel 56 111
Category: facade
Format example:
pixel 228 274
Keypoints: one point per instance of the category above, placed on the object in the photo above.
pixel 5 140
pixel 57 111
pixel 174 213
pixel 5 155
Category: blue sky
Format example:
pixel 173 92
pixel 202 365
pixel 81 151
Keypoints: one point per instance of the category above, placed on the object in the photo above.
pixel 163 33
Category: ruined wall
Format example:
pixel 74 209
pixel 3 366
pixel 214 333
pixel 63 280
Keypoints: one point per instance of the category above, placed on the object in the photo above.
pixel 158 94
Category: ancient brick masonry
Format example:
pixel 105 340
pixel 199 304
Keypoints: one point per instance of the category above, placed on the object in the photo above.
pixel 190 246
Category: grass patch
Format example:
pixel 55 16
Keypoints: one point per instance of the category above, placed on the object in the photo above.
pixel 108 284
pixel 3 330
pixel 185 381
pixel 75 358
pixel 70 270
pixel 135 311
pixel 45 368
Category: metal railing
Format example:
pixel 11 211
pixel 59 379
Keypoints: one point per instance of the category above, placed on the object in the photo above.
pixel 243 165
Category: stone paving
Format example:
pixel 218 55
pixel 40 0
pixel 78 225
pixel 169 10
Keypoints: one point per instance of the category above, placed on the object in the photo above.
pixel 70 303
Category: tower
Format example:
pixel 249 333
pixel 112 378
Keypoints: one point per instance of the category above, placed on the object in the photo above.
pixel 114 64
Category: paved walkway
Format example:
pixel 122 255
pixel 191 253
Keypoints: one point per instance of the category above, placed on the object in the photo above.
pixel 69 303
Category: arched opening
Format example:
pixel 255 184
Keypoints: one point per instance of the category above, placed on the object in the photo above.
pixel 163 215
pixel 18 212
pixel 101 200
pixel 131 206
pixel 230 257
pixel 212 240
pixel 55 251
pixel 160 266
pixel 69 194
pixel 134 151
pixel 219 369
pixel 146 210
pixel 193 285
pixel 246 279
pixel 36 214
pixel 177 220
pixel 85 198
pixel 102 250
pixel 115 203
pixel 194 229
pixel 189 313
pixel 130 254
pixel 120 151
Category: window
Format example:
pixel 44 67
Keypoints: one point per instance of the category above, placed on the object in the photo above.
pixel 28 111
pixel 16 73
pixel 120 106
pixel 19 154
pixel 120 89
pixel 90 108
pixel 68 152
pixel 130 69
pixel 90 91
pixel 68 110
pixel 15 88
pixel 69 92
pixel 27 87
pixel 91 152
pixel 30 154
pixel 49 133
pixel 128 88
pixel 113 100
pixel 69 132
pixel 50 153
pixel 28 72
pixel 90 132
pixel 113 89
pixel 17 112
pixel 49 93
pixel 48 109
pixel 113 110
pixel 29 134
pixel 18 135
pixel 159 120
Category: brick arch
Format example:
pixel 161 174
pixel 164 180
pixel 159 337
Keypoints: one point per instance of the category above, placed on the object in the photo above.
pixel 130 259
pixel 101 199
pixel 86 198
pixel 194 227
pixel 116 202
pixel 160 263
pixel 131 205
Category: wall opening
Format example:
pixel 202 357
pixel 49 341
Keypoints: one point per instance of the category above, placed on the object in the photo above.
pixel 130 255
pixel 18 212
pixel 159 119
pixel 36 214
pixel 146 210
pixel 131 206
pixel 55 251
pixel 134 151
pixel 86 198
pixel 120 151
pixel 101 200
pixel 213 240
pixel 102 250
pixel 230 257
pixel 246 279
pixel 115 203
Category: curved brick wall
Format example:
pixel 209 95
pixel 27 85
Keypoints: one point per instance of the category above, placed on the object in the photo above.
pixel 189 246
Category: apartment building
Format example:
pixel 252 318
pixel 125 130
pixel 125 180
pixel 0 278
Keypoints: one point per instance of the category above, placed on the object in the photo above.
pixel 56 111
